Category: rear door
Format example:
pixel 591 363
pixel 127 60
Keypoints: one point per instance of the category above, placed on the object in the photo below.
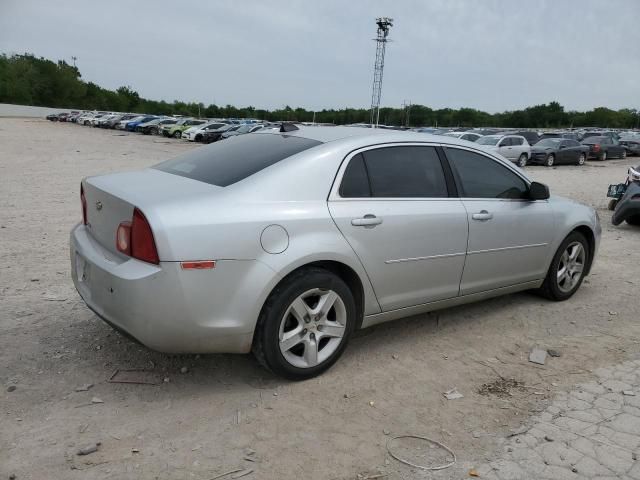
pixel 394 207
pixel 509 235
pixel 505 148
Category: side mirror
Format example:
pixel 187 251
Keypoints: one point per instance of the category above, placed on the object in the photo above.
pixel 538 191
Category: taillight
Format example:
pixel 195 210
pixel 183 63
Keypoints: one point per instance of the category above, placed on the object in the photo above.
pixel 135 239
pixel 83 200
pixel 596 147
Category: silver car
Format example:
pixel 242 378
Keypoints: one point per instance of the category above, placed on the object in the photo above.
pixel 284 242
pixel 512 147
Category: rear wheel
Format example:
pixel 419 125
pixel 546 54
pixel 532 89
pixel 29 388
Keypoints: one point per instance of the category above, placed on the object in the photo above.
pixel 624 154
pixel 305 324
pixel 567 268
pixel 550 160
pixel 612 204
pixel 522 160
pixel 177 134
pixel 603 156
pixel 581 159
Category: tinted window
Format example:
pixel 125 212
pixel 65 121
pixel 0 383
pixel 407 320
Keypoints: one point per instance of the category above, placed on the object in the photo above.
pixel 228 162
pixel 405 172
pixel 355 182
pixel 505 142
pixel 481 177
pixel 516 141
pixel 572 143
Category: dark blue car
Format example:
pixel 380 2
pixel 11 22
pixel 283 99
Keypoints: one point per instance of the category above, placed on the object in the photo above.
pixel 131 126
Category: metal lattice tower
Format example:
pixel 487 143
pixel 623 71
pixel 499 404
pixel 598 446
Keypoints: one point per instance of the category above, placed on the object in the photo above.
pixel 384 24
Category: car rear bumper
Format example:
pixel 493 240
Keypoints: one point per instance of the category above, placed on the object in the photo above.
pixel 166 308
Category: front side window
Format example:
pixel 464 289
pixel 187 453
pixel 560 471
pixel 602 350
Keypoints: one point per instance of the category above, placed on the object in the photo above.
pixel 482 177
pixel 395 172
pixel 505 142
pixel 516 141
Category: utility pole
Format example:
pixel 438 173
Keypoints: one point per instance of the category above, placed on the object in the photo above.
pixel 74 58
pixel 384 24
pixel 406 105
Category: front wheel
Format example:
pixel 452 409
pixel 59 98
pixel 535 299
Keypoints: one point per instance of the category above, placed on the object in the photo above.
pixel 634 220
pixel 305 324
pixel 550 160
pixel 624 154
pixel 603 156
pixel 567 268
pixel 612 204
pixel 581 159
pixel 177 134
pixel 522 160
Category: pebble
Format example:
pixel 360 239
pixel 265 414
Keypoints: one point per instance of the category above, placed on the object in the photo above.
pixel 166 379
pixel 84 388
pixel 89 449
pixel 548 438
pixel 96 400
pixel 394 356
pixel 386 432
pixel 553 353
pixel 275 394
pixel 11 388
pixel 184 370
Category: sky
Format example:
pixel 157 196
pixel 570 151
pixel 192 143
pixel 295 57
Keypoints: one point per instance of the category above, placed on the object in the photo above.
pixel 493 55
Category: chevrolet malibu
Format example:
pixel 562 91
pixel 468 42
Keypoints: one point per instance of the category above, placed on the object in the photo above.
pixel 283 243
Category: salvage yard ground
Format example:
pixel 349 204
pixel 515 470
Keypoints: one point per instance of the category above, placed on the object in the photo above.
pixel 207 415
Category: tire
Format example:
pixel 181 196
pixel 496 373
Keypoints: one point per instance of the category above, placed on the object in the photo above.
pixel 582 159
pixel 177 134
pixel 634 220
pixel 550 160
pixel 304 289
pixel 603 156
pixel 522 160
pixel 198 138
pixel 612 204
pixel 564 288
pixel 623 155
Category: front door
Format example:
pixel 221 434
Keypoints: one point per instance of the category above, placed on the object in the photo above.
pixel 509 235
pixel 394 209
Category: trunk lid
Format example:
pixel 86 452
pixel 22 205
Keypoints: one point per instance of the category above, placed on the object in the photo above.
pixel 111 200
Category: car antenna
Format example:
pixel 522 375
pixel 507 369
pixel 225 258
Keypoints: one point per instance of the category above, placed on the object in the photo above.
pixel 288 127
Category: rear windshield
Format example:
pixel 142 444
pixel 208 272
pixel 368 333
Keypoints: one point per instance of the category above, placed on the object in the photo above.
pixel 228 161
pixel 593 140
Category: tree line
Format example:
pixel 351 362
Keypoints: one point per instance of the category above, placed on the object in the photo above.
pixel 28 80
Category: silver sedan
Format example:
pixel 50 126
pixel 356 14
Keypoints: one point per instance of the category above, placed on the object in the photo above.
pixel 284 242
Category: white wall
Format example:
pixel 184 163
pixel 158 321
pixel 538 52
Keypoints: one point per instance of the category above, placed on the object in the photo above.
pixel 8 110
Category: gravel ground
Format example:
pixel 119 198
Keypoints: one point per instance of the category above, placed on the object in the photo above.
pixel 224 412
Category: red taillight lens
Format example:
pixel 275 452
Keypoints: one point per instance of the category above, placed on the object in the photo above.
pixel 596 147
pixel 143 245
pixel 135 239
pixel 83 200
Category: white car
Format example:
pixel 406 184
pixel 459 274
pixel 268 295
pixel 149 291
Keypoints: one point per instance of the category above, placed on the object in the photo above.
pixel 470 136
pixel 514 148
pixel 195 133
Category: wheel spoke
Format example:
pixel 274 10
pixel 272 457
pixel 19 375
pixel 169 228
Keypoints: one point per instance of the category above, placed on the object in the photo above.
pixel 300 310
pixel 310 351
pixel 561 273
pixel 325 303
pixel 291 339
pixel 332 329
pixel 575 251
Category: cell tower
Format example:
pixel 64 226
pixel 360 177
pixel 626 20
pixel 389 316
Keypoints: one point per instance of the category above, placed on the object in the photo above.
pixel 384 24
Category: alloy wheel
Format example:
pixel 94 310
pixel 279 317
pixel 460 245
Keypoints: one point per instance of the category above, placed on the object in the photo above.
pixel 550 161
pixel 581 159
pixel 571 267
pixel 312 328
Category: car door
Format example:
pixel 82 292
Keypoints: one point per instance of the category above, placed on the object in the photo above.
pixel 564 154
pixel 509 235
pixel 393 206
pixel 616 149
pixel 574 149
pixel 505 148
pixel 519 147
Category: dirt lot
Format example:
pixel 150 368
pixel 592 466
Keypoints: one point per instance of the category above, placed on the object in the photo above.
pixel 226 412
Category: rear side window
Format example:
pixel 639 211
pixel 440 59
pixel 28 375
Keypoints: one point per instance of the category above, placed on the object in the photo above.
pixel 395 172
pixel 516 141
pixel 355 182
pixel 228 162
pixel 482 177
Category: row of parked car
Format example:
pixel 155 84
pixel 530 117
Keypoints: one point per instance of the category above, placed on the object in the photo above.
pixel 550 148
pixel 192 129
pixel 522 147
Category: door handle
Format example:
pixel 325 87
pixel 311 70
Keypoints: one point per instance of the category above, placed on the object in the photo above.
pixel 368 221
pixel 482 215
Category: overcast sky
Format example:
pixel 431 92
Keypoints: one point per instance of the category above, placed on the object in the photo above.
pixel 492 55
